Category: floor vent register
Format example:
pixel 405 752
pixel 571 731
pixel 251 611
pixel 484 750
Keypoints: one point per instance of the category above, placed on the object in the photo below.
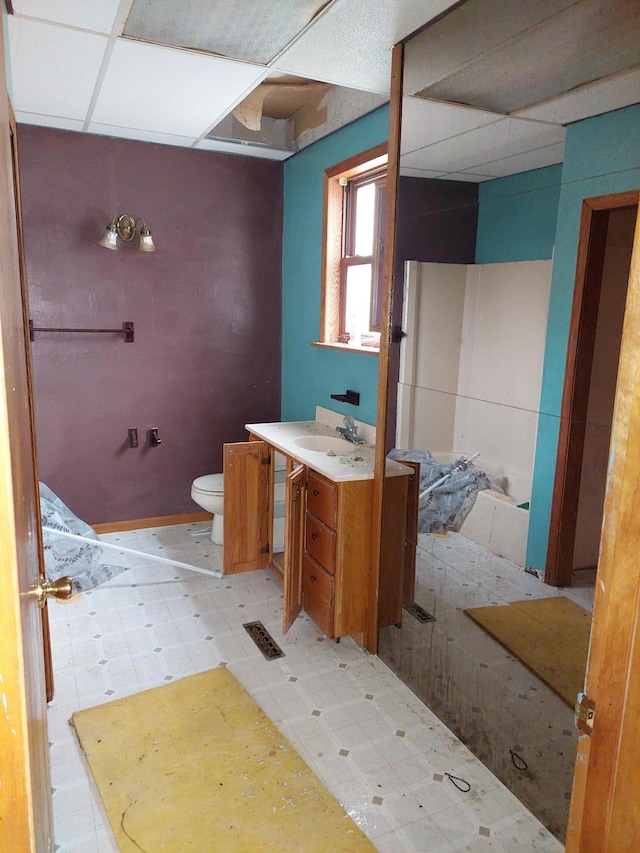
pixel 263 640
pixel 419 613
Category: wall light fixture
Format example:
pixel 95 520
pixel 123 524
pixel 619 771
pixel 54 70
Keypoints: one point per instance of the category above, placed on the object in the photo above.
pixel 124 226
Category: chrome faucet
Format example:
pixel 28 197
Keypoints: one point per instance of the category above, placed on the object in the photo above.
pixel 350 431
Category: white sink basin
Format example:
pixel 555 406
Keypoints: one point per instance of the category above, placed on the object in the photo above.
pixel 325 444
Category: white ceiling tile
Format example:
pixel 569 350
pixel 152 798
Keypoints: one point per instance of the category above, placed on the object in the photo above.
pixel 427 122
pixel 504 138
pixel 44 59
pixel 170 91
pixel 244 150
pixel 420 173
pixel 248 30
pixel 49 121
pixel 473 30
pixel 143 135
pixel 536 159
pixel 470 177
pixel 619 91
pixel 96 15
pixel 350 45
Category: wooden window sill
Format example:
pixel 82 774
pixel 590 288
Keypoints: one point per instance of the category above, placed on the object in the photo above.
pixel 345 347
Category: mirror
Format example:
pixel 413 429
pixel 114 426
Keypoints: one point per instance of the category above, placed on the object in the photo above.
pixel 463 375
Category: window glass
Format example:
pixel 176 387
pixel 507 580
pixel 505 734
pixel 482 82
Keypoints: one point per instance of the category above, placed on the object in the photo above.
pixel 365 210
pixel 353 247
pixel 357 302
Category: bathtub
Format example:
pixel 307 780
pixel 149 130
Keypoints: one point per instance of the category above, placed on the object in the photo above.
pixel 495 520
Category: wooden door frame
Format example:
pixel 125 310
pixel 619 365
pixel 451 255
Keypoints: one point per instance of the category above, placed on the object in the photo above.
pixel 25 794
pixel 370 638
pixel 577 379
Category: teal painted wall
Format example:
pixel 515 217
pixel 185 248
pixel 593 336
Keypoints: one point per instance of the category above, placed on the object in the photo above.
pixel 602 156
pixel 311 374
pixel 517 216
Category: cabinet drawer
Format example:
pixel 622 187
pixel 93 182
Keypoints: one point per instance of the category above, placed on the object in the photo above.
pixel 320 543
pixel 317 592
pixel 322 498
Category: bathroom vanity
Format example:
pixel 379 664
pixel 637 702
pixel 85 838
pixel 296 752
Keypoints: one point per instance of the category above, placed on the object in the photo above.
pixel 326 563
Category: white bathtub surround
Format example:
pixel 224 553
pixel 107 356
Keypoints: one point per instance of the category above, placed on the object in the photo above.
pixel 495 520
pixel 470 377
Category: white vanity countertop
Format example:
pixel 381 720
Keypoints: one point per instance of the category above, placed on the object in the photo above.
pixel 356 464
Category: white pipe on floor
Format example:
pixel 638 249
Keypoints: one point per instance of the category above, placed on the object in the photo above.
pixel 211 572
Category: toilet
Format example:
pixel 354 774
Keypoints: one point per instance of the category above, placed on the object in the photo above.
pixel 208 492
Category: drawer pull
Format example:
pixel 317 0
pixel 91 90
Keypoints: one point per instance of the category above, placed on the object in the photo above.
pixel 314 535
pixel 316 493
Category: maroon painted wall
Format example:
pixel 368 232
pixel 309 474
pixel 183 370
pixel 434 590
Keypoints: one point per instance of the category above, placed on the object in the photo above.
pixel 206 307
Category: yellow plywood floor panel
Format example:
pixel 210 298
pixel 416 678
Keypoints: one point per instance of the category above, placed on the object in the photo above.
pixel 196 765
pixel 549 635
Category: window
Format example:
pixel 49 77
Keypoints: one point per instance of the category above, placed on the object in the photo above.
pixel 355 198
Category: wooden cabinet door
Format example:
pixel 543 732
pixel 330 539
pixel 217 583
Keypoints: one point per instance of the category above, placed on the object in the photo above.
pixel 293 539
pixel 246 506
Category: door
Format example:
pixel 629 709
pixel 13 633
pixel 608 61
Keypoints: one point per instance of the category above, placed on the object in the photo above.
pixel 587 399
pixel 25 798
pixel 605 808
pixel 246 506
pixel 293 542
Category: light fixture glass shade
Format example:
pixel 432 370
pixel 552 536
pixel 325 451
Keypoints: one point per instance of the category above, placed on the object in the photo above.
pixel 110 237
pixel 146 240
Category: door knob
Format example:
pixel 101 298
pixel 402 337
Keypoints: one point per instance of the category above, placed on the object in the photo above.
pixel 61 588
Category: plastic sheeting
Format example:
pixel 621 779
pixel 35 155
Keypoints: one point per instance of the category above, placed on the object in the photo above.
pixel 445 504
pixel 83 562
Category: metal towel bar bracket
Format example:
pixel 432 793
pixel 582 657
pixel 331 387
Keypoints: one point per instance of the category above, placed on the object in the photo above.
pixel 127 330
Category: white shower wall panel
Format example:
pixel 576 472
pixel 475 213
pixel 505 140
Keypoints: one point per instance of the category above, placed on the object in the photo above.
pixel 440 308
pixel 504 332
pixel 504 436
pixel 471 366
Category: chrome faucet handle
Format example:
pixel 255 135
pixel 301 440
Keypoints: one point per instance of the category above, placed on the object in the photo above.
pixel 349 422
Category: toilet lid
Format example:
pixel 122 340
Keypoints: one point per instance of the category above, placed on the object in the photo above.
pixel 212 483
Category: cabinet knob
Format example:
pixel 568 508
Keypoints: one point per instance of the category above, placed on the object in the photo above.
pixel 316 493
pixel 312 578
pixel 314 535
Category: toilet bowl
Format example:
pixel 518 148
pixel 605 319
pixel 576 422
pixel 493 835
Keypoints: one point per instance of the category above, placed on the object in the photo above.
pixel 208 492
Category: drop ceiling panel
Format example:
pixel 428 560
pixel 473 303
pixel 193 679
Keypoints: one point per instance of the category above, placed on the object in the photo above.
pixel 536 159
pixel 142 135
pixel 470 177
pixel 96 16
pixel 44 59
pixel 427 122
pixel 170 91
pixel 250 30
pixel 49 121
pixel 589 40
pixel 408 172
pixel 469 32
pixel 504 138
pixel 594 99
pixel 351 44
pixel 247 150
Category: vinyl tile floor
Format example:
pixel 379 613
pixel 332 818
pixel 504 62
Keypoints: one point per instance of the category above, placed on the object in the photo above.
pixel 406 780
pixel 515 724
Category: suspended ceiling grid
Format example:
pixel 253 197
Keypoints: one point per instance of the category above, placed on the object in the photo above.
pixel 72 66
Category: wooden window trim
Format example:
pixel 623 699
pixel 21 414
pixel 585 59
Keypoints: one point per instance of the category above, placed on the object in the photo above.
pixel 333 238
